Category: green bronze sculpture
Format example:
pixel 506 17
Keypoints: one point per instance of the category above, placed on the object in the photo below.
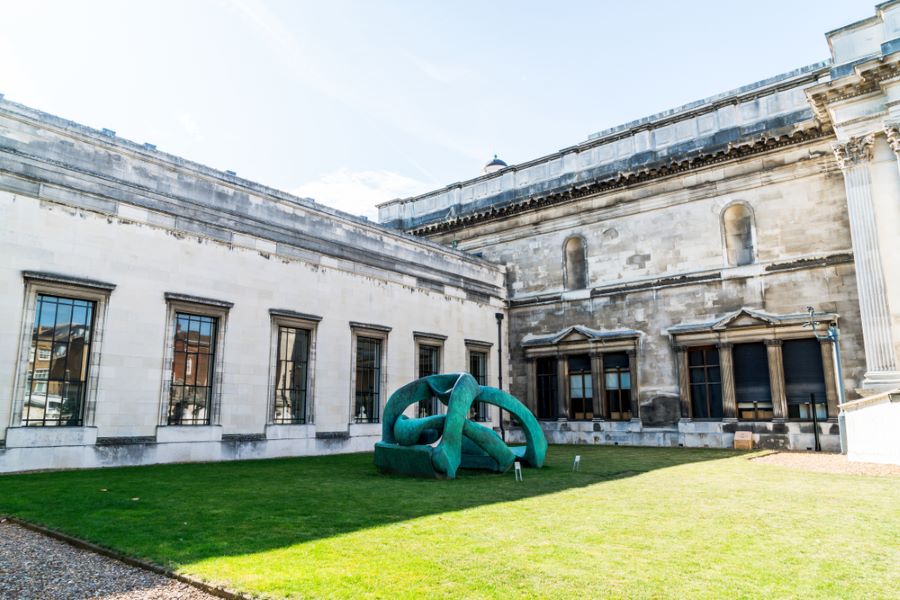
pixel 408 445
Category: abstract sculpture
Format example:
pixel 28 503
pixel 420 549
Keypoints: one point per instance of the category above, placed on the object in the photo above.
pixel 408 445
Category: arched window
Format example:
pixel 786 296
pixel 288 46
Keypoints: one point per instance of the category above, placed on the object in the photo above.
pixel 576 264
pixel 737 221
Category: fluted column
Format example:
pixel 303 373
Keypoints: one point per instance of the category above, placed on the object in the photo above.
pixel 562 388
pixel 831 391
pixel 599 384
pixel 853 157
pixel 776 380
pixel 684 381
pixel 635 388
pixel 729 397
pixel 531 399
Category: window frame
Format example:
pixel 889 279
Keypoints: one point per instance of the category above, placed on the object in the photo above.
pixel 205 307
pixel 481 411
pixel 586 401
pixel 53 284
pixel 706 367
pixel 380 333
pixel 431 340
pixel 607 405
pixel 287 318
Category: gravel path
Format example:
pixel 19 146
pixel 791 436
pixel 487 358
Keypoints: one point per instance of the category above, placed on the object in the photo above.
pixel 823 462
pixel 34 566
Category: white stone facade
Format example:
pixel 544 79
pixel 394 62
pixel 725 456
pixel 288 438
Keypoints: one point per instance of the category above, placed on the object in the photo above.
pixel 143 235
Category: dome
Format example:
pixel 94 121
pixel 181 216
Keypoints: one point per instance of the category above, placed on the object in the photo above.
pixel 495 165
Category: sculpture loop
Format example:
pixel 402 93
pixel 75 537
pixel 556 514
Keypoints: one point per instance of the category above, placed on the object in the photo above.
pixel 408 445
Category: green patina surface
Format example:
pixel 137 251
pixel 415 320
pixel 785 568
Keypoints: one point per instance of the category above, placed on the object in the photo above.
pixel 406 447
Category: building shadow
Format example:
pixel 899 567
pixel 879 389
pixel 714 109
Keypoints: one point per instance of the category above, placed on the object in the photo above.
pixel 176 515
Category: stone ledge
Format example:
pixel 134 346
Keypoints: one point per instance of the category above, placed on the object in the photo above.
pixel 40 437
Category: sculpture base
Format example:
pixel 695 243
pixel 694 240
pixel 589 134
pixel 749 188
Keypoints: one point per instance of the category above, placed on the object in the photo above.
pixel 413 461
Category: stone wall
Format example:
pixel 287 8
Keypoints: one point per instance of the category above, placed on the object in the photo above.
pixel 85 207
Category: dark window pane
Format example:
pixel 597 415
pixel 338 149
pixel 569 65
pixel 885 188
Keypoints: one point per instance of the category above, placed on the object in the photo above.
pixel 546 388
pixel 751 381
pixel 804 378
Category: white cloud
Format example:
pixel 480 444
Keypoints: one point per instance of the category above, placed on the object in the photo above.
pixel 357 192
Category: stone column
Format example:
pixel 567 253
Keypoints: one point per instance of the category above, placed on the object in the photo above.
pixel 831 390
pixel 635 391
pixel 729 397
pixel 892 130
pixel 776 380
pixel 684 381
pixel 853 157
pixel 599 385
pixel 562 388
pixel 531 370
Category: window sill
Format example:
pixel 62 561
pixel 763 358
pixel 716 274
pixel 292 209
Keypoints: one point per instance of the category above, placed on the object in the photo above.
pixel 46 436
pixel 279 431
pixel 188 433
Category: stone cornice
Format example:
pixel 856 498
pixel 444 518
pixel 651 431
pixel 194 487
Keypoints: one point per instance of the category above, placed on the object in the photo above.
pixel 866 79
pixel 623 179
pixel 854 151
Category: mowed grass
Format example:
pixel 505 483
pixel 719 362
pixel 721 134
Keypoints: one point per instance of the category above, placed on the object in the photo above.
pixel 634 522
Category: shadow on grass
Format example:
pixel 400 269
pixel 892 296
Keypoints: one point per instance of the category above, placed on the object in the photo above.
pixel 179 514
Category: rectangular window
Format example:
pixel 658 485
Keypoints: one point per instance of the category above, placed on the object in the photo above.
pixel 57 378
pixel 429 364
pixel 581 389
pixel 804 379
pixel 546 388
pixel 617 385
pixel 190 395
pixel 367 399
pixel 478 370
pixel 706 382
pixel 291 376
pixel 751 382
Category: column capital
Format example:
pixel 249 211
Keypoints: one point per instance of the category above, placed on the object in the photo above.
pixel 680 348
pixel 773 342
pixel 892 131
pixel 724 345
pixel 854 151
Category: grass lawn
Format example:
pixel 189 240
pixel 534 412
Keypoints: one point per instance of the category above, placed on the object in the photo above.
pixel 634 522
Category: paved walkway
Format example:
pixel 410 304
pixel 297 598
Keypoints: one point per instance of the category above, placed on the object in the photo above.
pixel 34 566
pixel 824 462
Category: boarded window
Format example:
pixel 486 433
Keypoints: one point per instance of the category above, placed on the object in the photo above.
pixel 804 379
pixel 546 388
pixel 751 382
pixel 738 223
pixel 576 265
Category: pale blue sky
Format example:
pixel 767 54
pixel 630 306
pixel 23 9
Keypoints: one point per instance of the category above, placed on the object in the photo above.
pixel 355 102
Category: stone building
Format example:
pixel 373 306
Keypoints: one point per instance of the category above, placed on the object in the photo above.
pixel 659 272
pixel 155 310
pixel 646 286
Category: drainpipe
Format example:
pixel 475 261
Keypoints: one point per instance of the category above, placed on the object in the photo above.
pixel 499 317
pixel 833 335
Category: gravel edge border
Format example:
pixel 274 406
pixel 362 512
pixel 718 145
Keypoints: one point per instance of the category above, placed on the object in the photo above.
pixel 219 592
